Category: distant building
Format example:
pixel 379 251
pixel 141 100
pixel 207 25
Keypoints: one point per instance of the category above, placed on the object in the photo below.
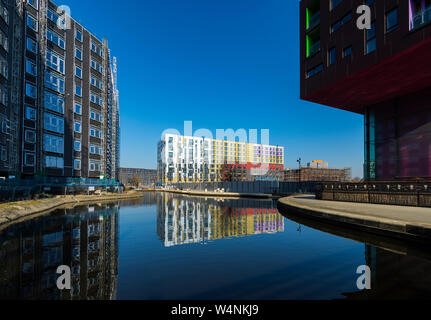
pixel 195 159
pixel 318 164
pixel 317 171
pixel 146 177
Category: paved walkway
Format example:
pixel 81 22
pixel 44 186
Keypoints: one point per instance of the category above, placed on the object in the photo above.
pixel 413 221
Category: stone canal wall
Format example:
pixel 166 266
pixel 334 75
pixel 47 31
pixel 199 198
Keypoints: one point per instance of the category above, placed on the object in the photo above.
pixel 416 194
pixel 15 211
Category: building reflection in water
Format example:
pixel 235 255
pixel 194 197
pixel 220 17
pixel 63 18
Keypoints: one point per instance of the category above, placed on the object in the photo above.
pixel 84 238
pixel 183 220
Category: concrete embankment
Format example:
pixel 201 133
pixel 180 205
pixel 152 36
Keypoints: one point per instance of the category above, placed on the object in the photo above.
pixel 219 194
pixel 17 211
pixel 411 223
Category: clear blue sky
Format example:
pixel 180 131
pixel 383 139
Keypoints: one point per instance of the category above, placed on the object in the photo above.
pixel 221 64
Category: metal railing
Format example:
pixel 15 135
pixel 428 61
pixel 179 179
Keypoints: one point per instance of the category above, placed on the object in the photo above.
pixel 53 181
pixel 407 193
pixel 377 186
pixel 421 18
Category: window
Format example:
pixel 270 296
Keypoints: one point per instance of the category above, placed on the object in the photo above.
pixel 53 123
pixel 4 13
pixel 96 149
pixel 78 90
pixel 30 90
pixel 78 72
pixel 53 143
pixel 78 108
pixel 337 25
pixel 30 136
pixel 33 3
pixel 77 164
pixel 78 127
pixel 95 165
pixel 55 61
pixel 29 159
pixel 96 48
pixel 94 132
pixel 54 82
pixel 78 53
pixel 54 162
pixel 4 126
pixel 77 145
pixel 331 56
pixel 53 16
pixel 4 42
pixel 30 113
pixel 3 153
pixel 55 38
pixel 30 67
pixel 391 20
pixel 78 35
pixel 94 115
pixel 54 102
pixel 31 22
pixel 97 66
pixel 31 45
pixel 371 39
pixel 334 3
pixel 95 98
pixel 96 82
pixel 347 51
pixel 4 67
pixel 311 72
pixel 4 98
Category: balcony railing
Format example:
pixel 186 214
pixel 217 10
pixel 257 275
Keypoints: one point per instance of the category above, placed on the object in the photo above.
pixel 421 18
pixel 314 20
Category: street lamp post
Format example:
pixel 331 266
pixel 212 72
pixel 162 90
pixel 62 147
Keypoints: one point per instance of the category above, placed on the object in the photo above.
pixel 299 172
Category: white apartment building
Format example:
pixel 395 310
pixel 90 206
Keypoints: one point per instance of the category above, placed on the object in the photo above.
pixel 197 159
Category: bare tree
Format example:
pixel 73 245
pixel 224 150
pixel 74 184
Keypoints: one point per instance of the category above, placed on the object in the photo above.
pixel 135 181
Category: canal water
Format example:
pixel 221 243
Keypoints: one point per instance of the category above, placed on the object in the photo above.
pixel 166 246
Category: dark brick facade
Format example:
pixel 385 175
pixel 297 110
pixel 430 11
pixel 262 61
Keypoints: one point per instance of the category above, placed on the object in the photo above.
pixel 383 73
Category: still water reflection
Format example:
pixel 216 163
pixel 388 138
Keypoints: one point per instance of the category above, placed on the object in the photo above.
pixel 185 220
pixel 167 246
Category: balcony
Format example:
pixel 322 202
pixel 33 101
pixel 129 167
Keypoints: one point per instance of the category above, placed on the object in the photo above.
pixel 313 21
pixel 314 48
pixel 421 18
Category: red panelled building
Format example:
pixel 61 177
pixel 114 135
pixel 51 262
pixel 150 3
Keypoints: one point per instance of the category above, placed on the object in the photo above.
pixel 383 73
